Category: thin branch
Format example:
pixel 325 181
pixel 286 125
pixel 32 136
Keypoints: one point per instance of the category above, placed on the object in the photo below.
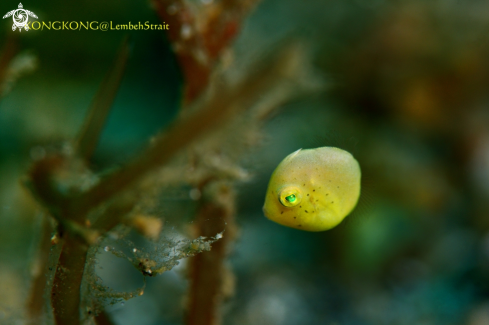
pixel 36 302
pixel 208 274
pixel 89 136
pixel 40 184
pixel 65 293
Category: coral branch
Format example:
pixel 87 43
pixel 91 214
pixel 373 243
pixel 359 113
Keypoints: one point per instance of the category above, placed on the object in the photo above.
pixel 199 36
pixel 65 294
pixel 208 275
pixel 40 182
pixel 181 20
pixel 87 141
pixel 35 302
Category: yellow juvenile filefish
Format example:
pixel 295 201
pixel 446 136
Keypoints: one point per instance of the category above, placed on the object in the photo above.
pixel 313 189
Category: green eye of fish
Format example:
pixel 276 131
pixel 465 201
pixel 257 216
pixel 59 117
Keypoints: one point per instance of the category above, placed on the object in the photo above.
pixel 290 196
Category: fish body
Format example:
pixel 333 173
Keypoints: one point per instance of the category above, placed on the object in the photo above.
pixel 313 189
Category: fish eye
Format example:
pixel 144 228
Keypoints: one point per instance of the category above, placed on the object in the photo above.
pixel 290 196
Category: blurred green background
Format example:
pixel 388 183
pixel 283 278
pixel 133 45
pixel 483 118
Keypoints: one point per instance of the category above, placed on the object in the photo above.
pixel 407 95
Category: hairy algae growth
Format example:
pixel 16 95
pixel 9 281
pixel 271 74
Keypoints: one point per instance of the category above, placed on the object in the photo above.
pixel 151 258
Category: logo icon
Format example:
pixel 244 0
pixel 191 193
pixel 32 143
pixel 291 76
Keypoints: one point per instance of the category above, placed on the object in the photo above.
pixel 20 17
